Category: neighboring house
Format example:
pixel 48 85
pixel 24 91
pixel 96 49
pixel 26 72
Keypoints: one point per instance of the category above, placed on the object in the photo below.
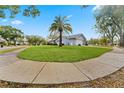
pixel 77 39
pixel 2 40
pixel 22 41
pixel 25 41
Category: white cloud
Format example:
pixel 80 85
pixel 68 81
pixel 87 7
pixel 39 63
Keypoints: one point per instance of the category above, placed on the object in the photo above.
pixel 4 20
pixel 17 22
pixel 69 16
pixel 97 7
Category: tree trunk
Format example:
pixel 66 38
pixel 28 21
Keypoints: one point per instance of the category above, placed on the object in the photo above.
pixel 60 40
pixel 14 42
pixel 122 39
pixel 112 41
pixel 121 32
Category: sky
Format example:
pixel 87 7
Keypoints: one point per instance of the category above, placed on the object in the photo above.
pixel 81 19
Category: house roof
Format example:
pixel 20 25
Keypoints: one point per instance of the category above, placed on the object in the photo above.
pixel 76 36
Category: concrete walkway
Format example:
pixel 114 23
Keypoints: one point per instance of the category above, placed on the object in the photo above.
pixel 9 47
pixel 25 71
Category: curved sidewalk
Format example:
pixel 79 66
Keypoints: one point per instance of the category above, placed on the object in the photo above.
pixel 25 71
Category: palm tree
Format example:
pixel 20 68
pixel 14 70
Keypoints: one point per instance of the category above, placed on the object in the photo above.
pixel 60 24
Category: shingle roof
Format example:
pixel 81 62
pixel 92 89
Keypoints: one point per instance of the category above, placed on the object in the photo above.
pixel 76 36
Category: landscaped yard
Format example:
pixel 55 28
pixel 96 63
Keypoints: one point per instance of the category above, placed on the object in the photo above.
pixel 61 54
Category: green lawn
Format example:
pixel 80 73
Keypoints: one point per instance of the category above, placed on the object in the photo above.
pixel 9 50
pixel 61 54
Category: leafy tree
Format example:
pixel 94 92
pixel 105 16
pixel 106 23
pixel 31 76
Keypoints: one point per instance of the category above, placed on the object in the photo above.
pixel 10 34
pixel 106 27
pixel 13 10
pixel 116 14
pixel 16 35
pixel 60 24
pixel 100 41
pixel 104 41
pixel 93 41
pixel 35 40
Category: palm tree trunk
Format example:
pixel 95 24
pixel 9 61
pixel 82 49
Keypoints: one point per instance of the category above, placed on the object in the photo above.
pixel 60 40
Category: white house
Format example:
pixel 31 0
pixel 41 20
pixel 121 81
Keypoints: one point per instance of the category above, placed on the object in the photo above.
pixel 77 39
pixel 2 40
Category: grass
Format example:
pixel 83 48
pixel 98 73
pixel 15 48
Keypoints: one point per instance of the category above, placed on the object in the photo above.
pixel 8 50
pixel 61 54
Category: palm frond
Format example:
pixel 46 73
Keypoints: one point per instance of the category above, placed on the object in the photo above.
pixel 60 24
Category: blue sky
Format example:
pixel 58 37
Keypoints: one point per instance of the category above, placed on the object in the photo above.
pixel 82 20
